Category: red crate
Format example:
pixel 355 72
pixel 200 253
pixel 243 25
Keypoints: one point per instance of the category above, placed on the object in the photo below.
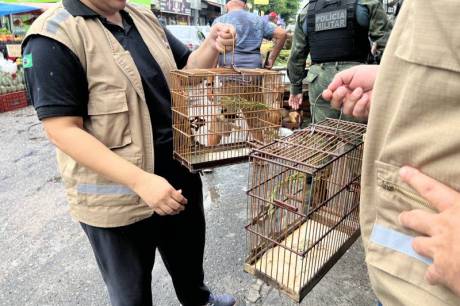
pixel 12 101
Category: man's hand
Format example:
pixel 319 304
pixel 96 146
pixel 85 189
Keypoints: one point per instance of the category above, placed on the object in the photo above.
pixel 374 49
pixel 269 64
pixel 295 101
pixel 440 233
pixel 351 90
pixel 159 194
pixel 224 37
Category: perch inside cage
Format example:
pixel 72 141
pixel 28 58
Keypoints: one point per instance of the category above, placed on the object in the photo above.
pixel 303 200
pixel 220 113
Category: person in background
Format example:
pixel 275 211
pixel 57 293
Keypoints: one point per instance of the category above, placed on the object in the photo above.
pixel 336 35
pixel 98 73
pixel 395 6
pixel 410 199
pixel 270 17
pixel 281 22
pixel 251 30
pixel 273 18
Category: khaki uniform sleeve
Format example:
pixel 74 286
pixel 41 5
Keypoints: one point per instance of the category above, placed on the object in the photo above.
pixel 299 53
pixel 379 24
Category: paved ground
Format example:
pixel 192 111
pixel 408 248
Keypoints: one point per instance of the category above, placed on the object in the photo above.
pixel 46 260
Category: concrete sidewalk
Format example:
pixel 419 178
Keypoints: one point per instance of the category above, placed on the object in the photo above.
pixel 45 259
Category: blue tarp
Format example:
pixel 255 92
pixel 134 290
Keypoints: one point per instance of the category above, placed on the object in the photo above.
pixel 9 9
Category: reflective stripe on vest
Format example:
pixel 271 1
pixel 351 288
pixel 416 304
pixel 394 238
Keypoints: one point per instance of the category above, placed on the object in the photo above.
pixel 52 26
pixel 104 189
pixel 396 241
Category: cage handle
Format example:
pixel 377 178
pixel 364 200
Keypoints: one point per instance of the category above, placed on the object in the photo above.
pixel 313 119
pixel 285 205
pixel 232 64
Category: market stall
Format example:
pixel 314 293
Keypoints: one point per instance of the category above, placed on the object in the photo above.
pixel 15 20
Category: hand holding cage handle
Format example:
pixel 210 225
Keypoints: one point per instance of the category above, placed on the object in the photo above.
pixel 313 120
pixel 220 127
pixel 232 64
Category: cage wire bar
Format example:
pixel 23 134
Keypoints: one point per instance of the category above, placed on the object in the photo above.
pixel 219 114
pixel 303 202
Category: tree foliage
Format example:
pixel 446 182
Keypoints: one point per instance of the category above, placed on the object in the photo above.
pixel 286 8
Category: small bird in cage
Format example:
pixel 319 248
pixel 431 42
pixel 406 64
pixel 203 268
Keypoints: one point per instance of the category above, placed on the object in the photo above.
pixel 197 122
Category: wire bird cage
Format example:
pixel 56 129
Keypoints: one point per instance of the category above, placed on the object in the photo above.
pixel 219 114
pixel 303 202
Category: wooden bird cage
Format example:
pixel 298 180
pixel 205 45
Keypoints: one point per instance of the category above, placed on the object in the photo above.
pixel 303 202
pixel 219 114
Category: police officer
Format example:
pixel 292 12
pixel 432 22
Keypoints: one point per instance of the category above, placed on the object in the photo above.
pixel 336 35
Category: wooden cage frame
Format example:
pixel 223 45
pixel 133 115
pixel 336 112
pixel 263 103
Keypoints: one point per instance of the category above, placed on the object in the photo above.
pixel 219 114
pixel 303 204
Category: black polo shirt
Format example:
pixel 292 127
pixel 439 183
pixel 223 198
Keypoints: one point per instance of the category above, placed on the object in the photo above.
pixel 58 85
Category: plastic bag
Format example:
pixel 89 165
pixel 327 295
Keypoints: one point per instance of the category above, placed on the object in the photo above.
pixel 8 66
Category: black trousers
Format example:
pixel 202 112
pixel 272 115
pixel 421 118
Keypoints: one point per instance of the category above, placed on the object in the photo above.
pixel 126 255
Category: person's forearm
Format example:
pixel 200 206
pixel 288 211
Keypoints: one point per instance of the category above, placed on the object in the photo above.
pixel 91 153
pixel 204 57
pixel 295 69
pixel 297 59
pixel 277 48
pixel 379 25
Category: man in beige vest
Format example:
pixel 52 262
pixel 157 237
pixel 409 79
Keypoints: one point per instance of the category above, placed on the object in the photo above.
pixel 98 73
pixel 410 221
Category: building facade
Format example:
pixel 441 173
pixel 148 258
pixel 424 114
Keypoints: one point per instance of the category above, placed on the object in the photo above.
pixel 188 12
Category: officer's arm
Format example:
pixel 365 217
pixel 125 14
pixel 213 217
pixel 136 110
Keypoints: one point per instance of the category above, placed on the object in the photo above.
pixel 379 25
pixel 297 60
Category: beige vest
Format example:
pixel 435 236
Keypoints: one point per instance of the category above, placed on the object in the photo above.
pixel 414 120
pixel 118 113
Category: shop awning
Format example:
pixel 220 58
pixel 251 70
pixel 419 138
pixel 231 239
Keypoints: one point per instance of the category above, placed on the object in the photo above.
pixel 10 9
pixel 7 7
pixel 42 5
pixel 146 3
pixel 214 3
pixel 34 1
pixel 45 4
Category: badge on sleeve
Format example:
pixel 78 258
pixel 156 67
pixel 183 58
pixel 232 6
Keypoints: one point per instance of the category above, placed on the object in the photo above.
pixel 27 61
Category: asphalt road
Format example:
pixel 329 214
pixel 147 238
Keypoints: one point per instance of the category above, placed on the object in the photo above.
pixel 45 258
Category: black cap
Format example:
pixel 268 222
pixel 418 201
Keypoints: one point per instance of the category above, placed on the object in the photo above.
pixel 245 1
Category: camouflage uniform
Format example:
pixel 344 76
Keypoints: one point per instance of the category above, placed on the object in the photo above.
pixel 320 75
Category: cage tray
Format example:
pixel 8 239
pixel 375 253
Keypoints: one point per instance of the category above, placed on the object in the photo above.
pixel 212 157
pixel 286 267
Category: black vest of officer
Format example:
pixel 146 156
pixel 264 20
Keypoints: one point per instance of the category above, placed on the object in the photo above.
pixel 334 33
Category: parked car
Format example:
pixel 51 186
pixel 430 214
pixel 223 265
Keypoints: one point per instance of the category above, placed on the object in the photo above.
pixel 191 36
pixel 205 30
